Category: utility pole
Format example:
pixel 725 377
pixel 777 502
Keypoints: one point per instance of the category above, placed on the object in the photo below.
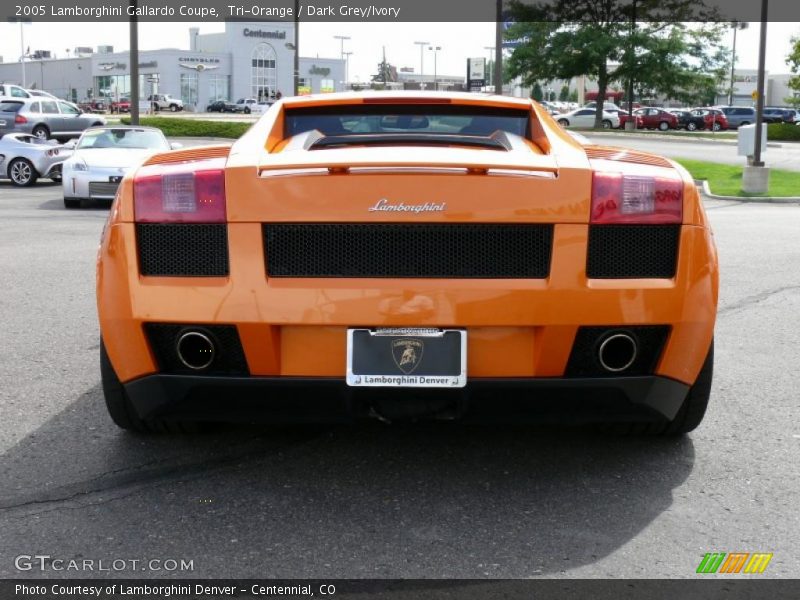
pixel 296 47
pixel 736 25
pixel 421 63
pixel 631 123
pixel 384 67
pixel 134 58
pixel 755 176
pixel 488 76
pixel 341 38
pixel 347 69
pixel 498 49
pixel 435 66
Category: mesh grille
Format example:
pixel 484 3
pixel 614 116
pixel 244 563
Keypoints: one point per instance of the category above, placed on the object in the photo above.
pixel 102 188
pixel 189 154
pixel 632 251
pixel 583 361
pixel 229 357
pixel 395 250
pixel 183 250
pixel 625 155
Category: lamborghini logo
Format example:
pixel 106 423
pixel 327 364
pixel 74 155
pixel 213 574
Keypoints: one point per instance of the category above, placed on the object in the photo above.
pixel 407 354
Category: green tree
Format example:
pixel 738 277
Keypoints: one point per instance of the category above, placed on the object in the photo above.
pixel 564 94
pixel 536 92
pixel 386 72
pixel 793 61
pixel 595 38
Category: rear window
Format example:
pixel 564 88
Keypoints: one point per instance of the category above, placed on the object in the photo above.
pixel 10 106
pixel 407 118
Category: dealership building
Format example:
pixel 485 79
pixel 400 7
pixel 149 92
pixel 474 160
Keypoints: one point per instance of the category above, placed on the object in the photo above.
pixel 247 60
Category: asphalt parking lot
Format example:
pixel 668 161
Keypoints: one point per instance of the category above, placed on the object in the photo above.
pixel 433 500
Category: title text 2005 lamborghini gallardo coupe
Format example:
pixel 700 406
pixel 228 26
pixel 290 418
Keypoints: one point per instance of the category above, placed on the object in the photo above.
pixel 407 255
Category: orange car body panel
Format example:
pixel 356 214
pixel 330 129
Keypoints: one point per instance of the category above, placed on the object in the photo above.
pixel 516 327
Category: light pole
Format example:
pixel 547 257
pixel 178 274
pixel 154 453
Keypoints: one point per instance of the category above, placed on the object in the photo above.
pixel 435 66
pixel 487 76
pixel 347 69
pixel 736 26
pixel 421 63
pixel 342 38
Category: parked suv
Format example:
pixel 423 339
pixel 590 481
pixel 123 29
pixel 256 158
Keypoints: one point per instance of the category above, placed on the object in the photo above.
pixel 165 102
pixel 9 90
pixel 45 118
pixel 739 115
pixel 778 115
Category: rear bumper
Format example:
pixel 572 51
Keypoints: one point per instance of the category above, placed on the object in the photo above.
pixel 318 400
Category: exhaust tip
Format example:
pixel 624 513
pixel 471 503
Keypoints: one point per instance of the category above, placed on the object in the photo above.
pixel 617 352
pixel 195 350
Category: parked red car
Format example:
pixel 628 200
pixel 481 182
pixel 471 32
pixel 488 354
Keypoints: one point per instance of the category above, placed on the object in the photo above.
pixel 123 105
pixel 624 117
pixel 657 118
pixel 714 119
pixel 93 105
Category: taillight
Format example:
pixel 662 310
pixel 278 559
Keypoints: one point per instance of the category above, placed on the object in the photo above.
pixel 191 192
pixel 618 198
pixel 19 119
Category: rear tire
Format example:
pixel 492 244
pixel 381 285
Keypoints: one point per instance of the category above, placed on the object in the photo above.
pixel 72 203
pixel 717 127
pixel 691 127
pixel 563 122
pixel 41 132
pixel 663 126
pixel 22 173
pixel 606 124
pixel 122 412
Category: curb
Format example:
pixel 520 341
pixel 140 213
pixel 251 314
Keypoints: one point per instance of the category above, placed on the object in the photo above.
pixel 703 184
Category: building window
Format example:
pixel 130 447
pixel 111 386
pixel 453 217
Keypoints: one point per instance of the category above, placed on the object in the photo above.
pixel 218 88
pixel 303 86
pixel 326 86
pixel 189 88
pixel 263 79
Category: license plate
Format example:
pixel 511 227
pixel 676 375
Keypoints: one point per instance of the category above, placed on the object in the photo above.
pixel 115 178
pixel 407 358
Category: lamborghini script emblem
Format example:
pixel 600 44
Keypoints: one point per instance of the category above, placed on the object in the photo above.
pixel 407 354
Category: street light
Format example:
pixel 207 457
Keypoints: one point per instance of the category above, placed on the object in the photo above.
pixel 487 76
pixel 736 26
pixel 435 74
pixel 347 68
pixel 421 62
pixel 342 38
pixel 21 45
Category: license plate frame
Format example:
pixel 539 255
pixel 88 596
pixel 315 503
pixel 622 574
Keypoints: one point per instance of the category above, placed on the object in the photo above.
pixel 396 357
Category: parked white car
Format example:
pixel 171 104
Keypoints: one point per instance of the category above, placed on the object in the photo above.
pixel 103 156
pixel 9 90
pixel 584 117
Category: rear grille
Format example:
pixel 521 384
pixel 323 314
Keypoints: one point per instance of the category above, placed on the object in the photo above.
pixel 401 250
pixel 632 251
pixel 183 250
pixel 584 362
pixel 229 357
pixel 102 188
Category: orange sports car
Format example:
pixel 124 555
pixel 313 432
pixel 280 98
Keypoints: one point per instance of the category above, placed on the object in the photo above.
pixel 407 255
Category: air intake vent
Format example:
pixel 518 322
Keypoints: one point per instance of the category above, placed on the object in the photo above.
pixel 632 251
pixel 183 250
pixel 400 250
pixel 623 155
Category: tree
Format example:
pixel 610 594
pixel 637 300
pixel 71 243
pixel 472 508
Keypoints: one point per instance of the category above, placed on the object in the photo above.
pixel 386 72
pixel 793 61
pixel 536 92
pixel 564 94
pixel 569 38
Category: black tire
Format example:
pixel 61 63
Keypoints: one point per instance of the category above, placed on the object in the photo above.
pixel 247 110
pixel 22 173
pixel 691 126
pixel 122 412
pixel 173 107
pixel 41 132
pixel 663 126
pixel 563 122
pixel 717 126
pixel 606 124
pixel 70 203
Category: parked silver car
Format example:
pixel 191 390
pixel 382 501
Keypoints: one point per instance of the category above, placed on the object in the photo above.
pixel 45 118
pixel 25 158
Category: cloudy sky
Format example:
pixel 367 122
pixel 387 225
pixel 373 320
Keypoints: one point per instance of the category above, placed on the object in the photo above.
pixel 457 40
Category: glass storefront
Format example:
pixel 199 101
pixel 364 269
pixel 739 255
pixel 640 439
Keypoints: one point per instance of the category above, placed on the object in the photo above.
pixel 219 87
pixel 263 79
pixel 189 89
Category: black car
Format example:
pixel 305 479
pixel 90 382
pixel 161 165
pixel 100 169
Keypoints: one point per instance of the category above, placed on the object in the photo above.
pixel 217 106
pixel 778 115
pixel 689 121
